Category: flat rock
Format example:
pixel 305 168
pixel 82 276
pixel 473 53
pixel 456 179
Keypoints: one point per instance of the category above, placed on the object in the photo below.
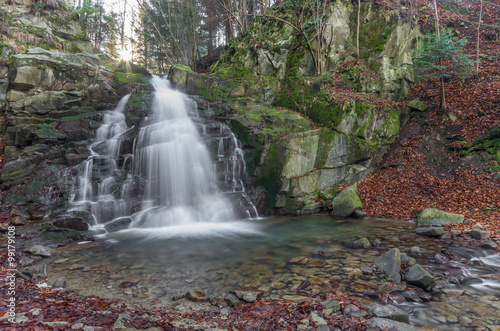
pixel 296 298
pixel 248 295
pixel 390 264
pixel 436 217
pixel 196 296
pixel 39 250
pixel 387 324
pixel 231 300
pixel 430 232
pixel 390 312
pixel 479 234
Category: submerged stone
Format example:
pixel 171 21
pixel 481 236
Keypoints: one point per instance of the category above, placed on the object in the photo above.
pixel 430 232
pixel 196 296
pixel 360 243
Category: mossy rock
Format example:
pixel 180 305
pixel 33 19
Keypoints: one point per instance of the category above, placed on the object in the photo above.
pixel 346 202
pixel 436 217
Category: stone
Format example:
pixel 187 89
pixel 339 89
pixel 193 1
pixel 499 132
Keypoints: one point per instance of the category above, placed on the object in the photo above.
pixel 408 260
pixel 196 296
pixel 489 244
pixel 456 232
pixel 231 300
pixel 390 264
pixel 119 324
pixel 418 276
pixel 390 312
pixel 360 243
pixel 118 224
pixel 18 210
pixel 436 217
pixel 248 295
pixel 376 243
pixel 39 250
pixel 331 304
pixel 60 283
pixel 388 324
pixel 415 250
pixel 359 214
pixel 296 298
pixel 346 202
pixel 411 295
pixel 25 274
pixel 479 234
pixel 316 319
pixel 18 221
pixel 417 105
pixel 73 223
pixel 430 232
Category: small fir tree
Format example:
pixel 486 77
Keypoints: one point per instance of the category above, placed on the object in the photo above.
pixel 442 57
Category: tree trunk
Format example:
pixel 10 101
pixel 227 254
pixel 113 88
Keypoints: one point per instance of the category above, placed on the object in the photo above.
pixel 442 105
pixel 357 32
pixel 477 45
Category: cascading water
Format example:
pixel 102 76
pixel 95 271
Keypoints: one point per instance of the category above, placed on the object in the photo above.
pixel 168 186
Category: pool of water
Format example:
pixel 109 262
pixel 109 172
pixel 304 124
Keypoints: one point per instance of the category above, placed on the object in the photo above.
pixel 155 272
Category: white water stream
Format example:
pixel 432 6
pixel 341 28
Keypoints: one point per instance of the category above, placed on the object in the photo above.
pixel 168 186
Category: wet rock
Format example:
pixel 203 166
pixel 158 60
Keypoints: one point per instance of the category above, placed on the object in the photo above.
pixel 390 264
pixel 440 258
pixel 36 214
pixel 436 217
pixel 479 234
pixel 119 324
pixel 387 324
pixel 27 260
pixel 126 284
pixel 196 296
pixel 231 300
pixel 430 232
pixel 411 295
pixel 118 224
pixel 376 243
pixel 415 251
pixel 299 260
pixel 407 260
pixel 73 223
pixel 316 263
pixel 18 210
pixel 19 221
pixel 472 281
pixel 360 243
pixel 25 274
pixel 350 309
pixel 489 244
pixel 346 202
pixel 60 283
pixel 389 312
pixel 359 214
pixel 39 250
pixel 247 295
pixel 418 276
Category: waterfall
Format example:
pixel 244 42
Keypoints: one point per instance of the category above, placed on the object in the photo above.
pixel 170 185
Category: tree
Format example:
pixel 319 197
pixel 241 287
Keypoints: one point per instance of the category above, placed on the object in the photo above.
pixel 442 57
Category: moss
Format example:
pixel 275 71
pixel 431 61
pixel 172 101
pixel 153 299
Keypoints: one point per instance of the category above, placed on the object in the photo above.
pixel 183 67
pixel 270 173
pixel 375 32
pixel 310 101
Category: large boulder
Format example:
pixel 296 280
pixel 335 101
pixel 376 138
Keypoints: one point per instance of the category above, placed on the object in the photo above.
pixel 389 264
pixel 436 217
pixel 346 202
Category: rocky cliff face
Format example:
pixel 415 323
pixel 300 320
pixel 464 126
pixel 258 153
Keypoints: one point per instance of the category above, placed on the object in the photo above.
pixel 301 140
pixel 53 85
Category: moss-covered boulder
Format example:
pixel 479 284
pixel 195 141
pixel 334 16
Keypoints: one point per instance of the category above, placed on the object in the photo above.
pixel 346 202
pixel 436 217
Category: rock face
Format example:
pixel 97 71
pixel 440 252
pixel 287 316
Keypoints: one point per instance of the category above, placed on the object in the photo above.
pixel 52 88
pixel 436 217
